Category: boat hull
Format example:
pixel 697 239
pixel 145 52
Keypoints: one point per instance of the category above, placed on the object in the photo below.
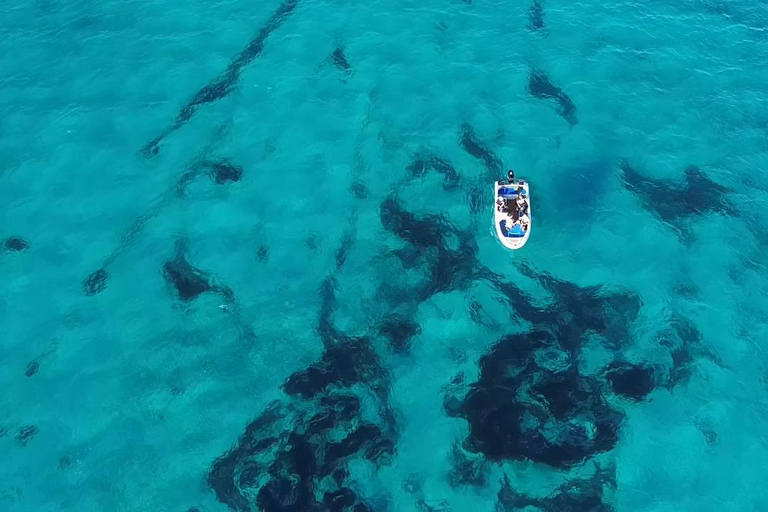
pixel 513 226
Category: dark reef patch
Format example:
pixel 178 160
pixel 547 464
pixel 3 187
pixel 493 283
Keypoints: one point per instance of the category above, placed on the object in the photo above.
pixel 423 163
pixel 185 179
pixel 224 172
pixel 343 365
pixel 478 315
pixel 683 340
pixel 235 466
pixel 421 233
pixel 575 310
pixel 672 204
pixel 686 289
pixel 346 245
pixel 578 495
pixel 15 244
pixel 285 454
pixel 220 171
pixel 540 86
pixel 339 59
pixel 188 281
pixel 262 253
pixel 467 469
pixel 26 434
pixel 477 200
pixel 226 82
pixel 359 190
pixel 294 456
pixel 536 16
pixel 447 255
pixel 709 433
pixel 399 332
pixel 96 282
pixel 472 145
pixel 631 381
pixel 451 177
pixel 325 328
pixel 32 368
pixel 563 421
pixel 454 396
pixel 561 417
pixel 312 242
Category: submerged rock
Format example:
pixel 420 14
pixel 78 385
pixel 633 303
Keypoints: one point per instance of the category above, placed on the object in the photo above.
pixel 631 381
pixel 15 244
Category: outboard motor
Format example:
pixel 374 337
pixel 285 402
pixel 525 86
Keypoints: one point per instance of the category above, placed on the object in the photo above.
pixel 511 177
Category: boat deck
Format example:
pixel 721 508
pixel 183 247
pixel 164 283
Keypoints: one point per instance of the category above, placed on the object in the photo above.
pixel 512 213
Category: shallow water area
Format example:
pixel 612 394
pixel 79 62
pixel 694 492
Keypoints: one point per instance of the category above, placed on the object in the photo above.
pixel 248 259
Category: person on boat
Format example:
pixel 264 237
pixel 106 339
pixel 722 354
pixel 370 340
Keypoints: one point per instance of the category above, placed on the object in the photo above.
pixel 522 204
pixel 514 212
pixel 525 221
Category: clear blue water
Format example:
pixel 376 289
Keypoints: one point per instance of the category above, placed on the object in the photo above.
pixel 330 186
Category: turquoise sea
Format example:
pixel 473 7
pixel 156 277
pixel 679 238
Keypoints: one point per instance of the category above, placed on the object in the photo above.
pixel 248 262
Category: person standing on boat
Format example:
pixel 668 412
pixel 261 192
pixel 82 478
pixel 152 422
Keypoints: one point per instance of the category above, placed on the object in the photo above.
pixel 510 179
pixel 522 204
pixel 525 221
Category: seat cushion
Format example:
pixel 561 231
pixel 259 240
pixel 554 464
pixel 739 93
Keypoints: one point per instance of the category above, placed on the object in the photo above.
pixel 510 192
pixel 515 232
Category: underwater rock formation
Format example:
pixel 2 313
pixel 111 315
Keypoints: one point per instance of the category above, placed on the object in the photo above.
pixel 343 364
pixel 536 16
pixel 347 240
pixel 574 311
pixel 26 434
pixel 631 381
pixel 447 254
pixel 423 163
pixel 96 282
pixel 472 145
pixel 15 244
pixel 287 455
pixel 399 331
pixel 467 469
pixel 224 172
pixel 32 368
pixel 519 411
pixel 226 82
pixel 359 190
pixel 294 456
pixel 339 59
pixel 673 204
pixel 578 495
pixel 540 86
pixel 188 281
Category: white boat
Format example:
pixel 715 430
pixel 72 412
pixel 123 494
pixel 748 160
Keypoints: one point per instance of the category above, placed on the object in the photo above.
pixel 512 212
